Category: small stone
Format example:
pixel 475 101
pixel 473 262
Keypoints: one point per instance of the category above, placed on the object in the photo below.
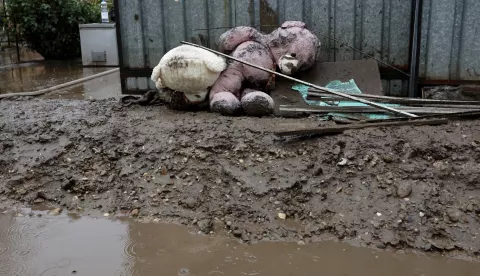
pixel 245 237
pixel 388 158
pixel 421 214
pixel 404 189
pixel 343 162
pixel 39 200
pixel 454 214
pixel 111 178
pixel 205 225
pixel 55 212
pixel 237 233
pixel 379 214
pixel 337 150
pixel 68 184
pixel 134 212
pixel 389 175
pixel 301 243
pixel 304 179
pixel 350 154
pixel 229 223
pixel 191 202
pixel 318 171
pixel 375 223
pixel 282 215
pixel 106 214
pixel 381 246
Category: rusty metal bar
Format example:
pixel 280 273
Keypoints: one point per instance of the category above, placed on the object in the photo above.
pixel 317 95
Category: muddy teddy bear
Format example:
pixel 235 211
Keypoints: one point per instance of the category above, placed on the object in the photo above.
pixel 186 74
pixel 292 48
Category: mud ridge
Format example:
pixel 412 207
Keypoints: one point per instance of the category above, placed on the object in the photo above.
pixel 404 187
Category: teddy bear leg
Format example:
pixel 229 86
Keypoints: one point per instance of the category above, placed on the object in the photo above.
pixel 257 103
pixel 225 103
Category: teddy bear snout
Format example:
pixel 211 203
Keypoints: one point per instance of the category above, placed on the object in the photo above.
pixel 288 64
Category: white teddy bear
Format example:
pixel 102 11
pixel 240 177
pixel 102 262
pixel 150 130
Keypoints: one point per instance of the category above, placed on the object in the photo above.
pixel 190 70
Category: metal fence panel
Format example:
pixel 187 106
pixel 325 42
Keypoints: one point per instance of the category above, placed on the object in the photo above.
pixel 450 40
pixel 449 50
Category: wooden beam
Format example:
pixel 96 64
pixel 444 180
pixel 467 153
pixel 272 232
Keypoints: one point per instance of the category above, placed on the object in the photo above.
pixel 340 129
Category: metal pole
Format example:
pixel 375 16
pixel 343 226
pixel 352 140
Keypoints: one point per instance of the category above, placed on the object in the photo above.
pixel 121 63
pixel 331 91
pixel 415 39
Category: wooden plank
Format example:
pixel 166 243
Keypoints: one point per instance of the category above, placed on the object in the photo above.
pixel 341 129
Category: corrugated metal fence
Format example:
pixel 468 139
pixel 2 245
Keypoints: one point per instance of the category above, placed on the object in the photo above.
pixel 450 47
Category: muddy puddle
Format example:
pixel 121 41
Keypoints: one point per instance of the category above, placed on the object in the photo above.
pixel 33 73
pixel 35 243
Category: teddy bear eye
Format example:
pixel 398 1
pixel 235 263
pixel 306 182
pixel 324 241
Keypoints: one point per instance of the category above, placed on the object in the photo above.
pixel 293 55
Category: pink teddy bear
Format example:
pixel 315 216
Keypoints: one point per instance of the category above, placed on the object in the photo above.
pixel 292 47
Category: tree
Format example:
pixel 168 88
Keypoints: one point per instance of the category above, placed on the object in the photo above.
pixel 50 27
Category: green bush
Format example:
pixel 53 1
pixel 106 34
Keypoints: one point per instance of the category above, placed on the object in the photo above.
pixel 50 27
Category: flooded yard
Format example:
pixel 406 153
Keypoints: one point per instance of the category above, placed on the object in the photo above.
pixel 33 73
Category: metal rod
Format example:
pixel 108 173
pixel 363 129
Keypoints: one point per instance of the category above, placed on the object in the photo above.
pixel 415 38
pixel 331 91
pixel 316 93
pixel 368 109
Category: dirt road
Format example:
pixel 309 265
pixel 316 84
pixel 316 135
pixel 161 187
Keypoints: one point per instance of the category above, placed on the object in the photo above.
pixel 404 187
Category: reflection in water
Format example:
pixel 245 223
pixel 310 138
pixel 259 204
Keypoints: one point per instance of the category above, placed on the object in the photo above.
pixel 9 56
pixel 87 246
pixel 37 74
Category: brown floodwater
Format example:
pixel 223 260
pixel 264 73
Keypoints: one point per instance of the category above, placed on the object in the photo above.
pixel 33 73
pixel 69 244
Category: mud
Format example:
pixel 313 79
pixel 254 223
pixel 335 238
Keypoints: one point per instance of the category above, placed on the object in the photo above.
pixel 389 188
pixel 35 243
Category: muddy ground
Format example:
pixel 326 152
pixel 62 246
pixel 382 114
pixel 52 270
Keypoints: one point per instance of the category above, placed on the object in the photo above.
pixel 396 188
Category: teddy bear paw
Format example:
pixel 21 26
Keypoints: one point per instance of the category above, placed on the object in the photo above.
pixel 257 104
pixel 225 103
